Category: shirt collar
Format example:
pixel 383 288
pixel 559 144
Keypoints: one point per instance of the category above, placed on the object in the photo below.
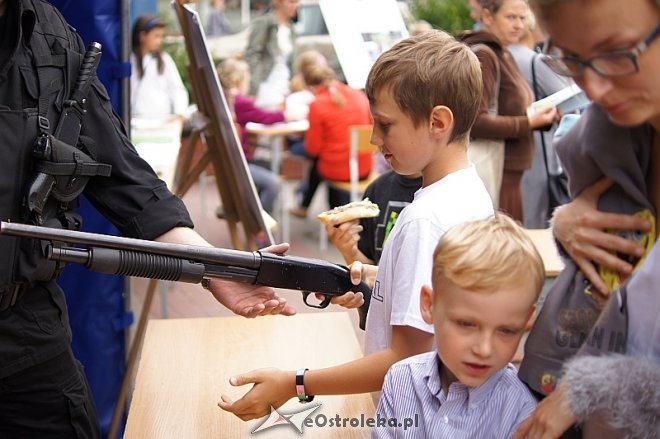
pixel 432 376
pixel 28 19
pixel 20 23
pixel 475 395
pixel 451 176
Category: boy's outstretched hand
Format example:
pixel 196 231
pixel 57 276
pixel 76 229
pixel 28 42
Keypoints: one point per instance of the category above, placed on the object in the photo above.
pixel 272 387
pixel 359 272
pixel 363 273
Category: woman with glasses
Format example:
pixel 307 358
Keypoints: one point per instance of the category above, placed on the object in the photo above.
pixel 612 157
pixel 506 96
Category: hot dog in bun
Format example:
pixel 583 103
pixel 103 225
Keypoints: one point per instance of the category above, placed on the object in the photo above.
pixel 350 212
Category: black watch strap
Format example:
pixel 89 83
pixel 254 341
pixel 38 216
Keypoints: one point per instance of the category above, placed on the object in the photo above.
pixel 300 386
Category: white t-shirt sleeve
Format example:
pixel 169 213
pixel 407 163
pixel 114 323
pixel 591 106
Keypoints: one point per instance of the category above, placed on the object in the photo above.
pixel 412 268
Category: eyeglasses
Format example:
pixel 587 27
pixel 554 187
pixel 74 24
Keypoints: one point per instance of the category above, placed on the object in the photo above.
pixel 618 63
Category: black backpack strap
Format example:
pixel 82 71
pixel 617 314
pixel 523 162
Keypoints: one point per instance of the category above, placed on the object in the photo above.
pixel 54 37
pixel 535 88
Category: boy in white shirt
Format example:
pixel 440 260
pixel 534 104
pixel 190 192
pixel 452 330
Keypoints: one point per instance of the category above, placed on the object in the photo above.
pixel 424 94
pixel 487 276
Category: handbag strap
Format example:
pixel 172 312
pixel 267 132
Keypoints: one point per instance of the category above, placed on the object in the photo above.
pixel 494 99
pixel 535 87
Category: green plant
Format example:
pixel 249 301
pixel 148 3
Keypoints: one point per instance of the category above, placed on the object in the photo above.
pixel 176 48
pixel 452 16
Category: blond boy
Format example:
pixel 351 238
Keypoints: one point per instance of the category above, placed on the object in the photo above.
pixel 487 276
pixel 424 95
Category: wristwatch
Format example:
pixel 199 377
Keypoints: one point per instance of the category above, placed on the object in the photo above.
pixel 300 386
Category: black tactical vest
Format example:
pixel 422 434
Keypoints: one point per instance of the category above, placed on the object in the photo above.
pixel 44 68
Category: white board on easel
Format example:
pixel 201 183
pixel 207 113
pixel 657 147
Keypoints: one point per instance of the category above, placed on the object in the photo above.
pixel 361 30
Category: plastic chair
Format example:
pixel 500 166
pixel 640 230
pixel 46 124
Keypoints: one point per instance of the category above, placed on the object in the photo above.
pixel 360 143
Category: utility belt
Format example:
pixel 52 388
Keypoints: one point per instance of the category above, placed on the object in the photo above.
pixel 9 296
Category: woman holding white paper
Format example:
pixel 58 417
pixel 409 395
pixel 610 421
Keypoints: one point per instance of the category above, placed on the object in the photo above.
pixel 543 82
pixel 503 22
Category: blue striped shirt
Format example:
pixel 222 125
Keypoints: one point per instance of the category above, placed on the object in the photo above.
pixel 412 387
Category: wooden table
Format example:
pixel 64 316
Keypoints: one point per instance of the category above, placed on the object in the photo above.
pixel 186 365
pixel 545 244
pixel 278 131
pixel 157 141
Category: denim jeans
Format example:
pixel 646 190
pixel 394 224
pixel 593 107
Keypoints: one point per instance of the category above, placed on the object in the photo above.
pixel 267 184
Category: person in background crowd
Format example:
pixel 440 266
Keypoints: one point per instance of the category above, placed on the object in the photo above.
pixel 335 108
pixel 475 13
pixel 543 82
pixel 218 24
pixel 300 98
pixel 156 86
pixel 503 22
pixel 420 26
pixel 269 53
pixel 234 77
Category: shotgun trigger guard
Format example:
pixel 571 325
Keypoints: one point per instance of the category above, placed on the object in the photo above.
pixel 322 305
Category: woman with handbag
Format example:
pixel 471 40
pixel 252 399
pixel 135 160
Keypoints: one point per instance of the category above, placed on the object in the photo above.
pixel 610 228
pixel 537 182
pixel 501 146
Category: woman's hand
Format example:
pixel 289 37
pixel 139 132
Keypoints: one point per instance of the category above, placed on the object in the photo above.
pixel 543 118
pixel 272 387
pixel 551 419
pixel 581 229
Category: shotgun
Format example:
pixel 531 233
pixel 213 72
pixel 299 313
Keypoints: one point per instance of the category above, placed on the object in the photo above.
pixel 194 264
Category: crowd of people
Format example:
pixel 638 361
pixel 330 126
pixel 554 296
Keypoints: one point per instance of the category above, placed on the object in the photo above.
pixel 455 279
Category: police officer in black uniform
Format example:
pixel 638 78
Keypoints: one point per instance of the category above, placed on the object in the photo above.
pixel 43 392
